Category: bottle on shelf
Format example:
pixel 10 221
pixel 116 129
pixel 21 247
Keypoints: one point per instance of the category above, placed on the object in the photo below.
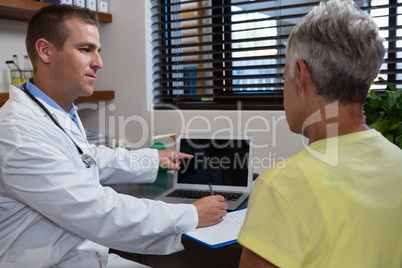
pixel 15 71
pixel 27 71
pixel 15 59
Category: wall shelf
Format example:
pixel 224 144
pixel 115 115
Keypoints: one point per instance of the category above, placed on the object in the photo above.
pixel 97 95
pixel 23 10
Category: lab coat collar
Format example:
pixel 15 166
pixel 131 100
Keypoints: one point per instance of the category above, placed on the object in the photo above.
pixel 18 95
pixel 62 118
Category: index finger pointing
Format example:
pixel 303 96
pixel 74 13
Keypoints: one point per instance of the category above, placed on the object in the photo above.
pixel 183 156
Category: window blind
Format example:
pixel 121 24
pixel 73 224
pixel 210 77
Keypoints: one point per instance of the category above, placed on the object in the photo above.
pixel 230 54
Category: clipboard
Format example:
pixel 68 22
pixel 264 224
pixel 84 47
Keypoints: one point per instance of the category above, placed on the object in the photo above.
pixel 221 234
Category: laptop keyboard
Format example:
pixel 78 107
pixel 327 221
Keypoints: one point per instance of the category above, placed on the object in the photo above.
pixel 229 196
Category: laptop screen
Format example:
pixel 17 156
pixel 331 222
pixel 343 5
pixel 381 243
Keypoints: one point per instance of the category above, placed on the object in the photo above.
pixel 217 161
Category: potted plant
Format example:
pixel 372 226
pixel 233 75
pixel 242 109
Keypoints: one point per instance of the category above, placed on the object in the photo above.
pixel 384 113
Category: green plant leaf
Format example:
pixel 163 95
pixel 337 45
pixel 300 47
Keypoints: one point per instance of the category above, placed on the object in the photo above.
pixel 389 137
pixel 394 126
pixel 371 113
pixel 398 136
pixel 399 116
pixel 373 96
pixel 389 85
pixel 384 113
pixel 378 102
pixel 382 125
pixel 393 98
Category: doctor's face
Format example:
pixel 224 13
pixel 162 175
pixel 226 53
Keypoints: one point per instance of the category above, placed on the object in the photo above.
pixel 79 60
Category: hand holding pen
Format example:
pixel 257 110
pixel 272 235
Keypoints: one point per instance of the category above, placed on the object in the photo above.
pixel 210 189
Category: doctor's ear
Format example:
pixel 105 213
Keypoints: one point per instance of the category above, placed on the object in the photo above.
pixel 42 48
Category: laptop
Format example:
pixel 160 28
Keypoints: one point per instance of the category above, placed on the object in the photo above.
pixel 222 161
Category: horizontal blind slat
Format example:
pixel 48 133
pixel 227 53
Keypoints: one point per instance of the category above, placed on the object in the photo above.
pixel 199 62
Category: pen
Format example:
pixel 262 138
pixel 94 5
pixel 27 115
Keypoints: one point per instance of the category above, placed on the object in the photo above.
pixel 210 189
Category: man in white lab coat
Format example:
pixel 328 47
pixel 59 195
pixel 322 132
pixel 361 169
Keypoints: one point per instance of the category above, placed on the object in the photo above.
pixel 54 210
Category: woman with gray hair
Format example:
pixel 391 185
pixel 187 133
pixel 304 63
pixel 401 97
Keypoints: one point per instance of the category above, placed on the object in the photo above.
pixel 333 204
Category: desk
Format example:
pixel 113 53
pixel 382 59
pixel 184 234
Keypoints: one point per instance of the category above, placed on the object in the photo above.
pixel 195 255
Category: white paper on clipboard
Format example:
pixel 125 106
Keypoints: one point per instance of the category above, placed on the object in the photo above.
pixel 221 234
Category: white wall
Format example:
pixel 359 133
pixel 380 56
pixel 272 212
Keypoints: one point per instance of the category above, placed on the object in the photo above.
pixel 127 68
pixel 12 41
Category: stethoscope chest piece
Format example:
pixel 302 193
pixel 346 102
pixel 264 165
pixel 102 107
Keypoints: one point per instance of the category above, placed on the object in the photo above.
pixel 88 160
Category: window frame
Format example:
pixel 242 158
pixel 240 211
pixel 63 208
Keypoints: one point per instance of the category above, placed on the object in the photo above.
pixel 164 95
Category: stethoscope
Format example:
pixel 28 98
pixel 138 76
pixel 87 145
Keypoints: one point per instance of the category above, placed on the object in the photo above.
pixel 86 158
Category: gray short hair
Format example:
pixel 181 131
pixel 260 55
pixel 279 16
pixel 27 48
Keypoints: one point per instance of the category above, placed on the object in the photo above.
pixel 342 48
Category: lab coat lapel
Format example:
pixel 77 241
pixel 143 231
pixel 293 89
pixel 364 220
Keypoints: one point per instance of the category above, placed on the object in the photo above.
pixel 67 123
pixel 62 118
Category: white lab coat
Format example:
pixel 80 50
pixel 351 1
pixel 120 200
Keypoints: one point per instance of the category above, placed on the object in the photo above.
pixel 54 210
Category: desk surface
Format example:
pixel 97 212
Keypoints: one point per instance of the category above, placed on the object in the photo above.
pixel 195 255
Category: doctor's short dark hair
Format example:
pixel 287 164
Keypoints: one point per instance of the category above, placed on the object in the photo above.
pixel 49 23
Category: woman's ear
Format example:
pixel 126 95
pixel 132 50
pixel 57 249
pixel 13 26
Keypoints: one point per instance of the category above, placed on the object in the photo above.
pixel 42 48
pixel 303 77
